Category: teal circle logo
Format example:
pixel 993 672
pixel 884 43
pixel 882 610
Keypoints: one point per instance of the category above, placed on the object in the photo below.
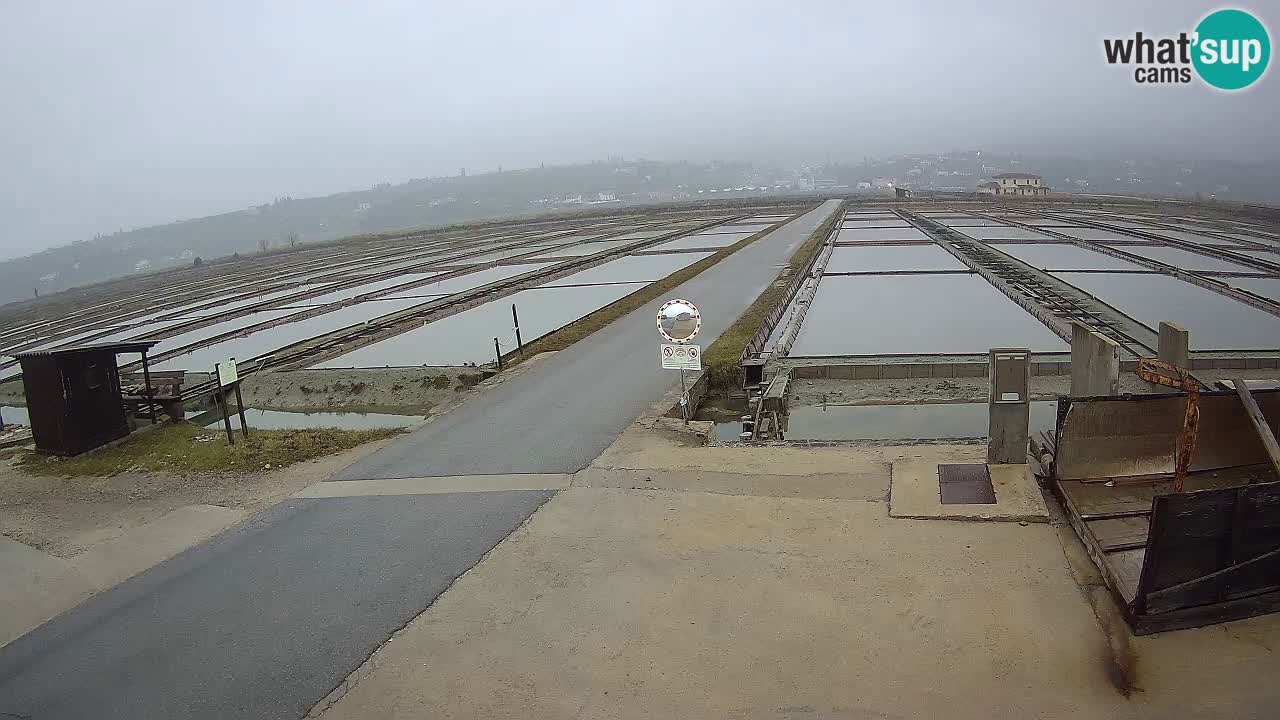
pixel 1231 49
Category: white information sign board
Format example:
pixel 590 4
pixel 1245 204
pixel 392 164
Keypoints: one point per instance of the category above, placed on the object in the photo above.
pixel 227 374
pixel 681 357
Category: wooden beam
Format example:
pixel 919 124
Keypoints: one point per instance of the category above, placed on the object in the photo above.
pixel 1259 422
pixel 1224 572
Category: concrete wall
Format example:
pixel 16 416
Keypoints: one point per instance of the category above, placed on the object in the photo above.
pixel 1095 363
pixel 1174 344
pixel 898 371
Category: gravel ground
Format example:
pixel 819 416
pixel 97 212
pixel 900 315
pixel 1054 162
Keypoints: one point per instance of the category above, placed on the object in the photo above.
pixel 65 516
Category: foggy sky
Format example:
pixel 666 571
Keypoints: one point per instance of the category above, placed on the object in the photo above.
pixel 125 113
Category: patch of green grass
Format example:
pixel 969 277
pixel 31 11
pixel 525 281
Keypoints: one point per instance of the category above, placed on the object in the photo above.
pixel 572 333
pixel 721 360
pixel 184 448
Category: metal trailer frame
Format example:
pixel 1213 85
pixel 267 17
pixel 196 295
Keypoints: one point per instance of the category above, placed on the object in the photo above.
pixel 1173 559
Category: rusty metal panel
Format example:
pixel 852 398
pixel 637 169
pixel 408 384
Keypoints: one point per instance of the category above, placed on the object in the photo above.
pixel 1137 435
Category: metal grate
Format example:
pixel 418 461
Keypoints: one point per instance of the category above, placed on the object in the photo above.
pixel 968 484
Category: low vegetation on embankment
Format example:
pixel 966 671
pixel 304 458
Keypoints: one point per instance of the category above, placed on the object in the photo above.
pixel 183 448
pixel 572 333
pixel 720 360
pixel 410 391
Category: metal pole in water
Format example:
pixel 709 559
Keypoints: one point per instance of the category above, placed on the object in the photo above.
pixel 497 351
pixel 516 319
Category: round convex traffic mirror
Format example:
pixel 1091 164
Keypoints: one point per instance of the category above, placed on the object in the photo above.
pixel 679 320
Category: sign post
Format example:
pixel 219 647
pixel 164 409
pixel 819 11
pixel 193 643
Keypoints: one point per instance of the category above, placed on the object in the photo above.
pixel 244 426
pixel 515 319
pixel 229 377
pixel 679 322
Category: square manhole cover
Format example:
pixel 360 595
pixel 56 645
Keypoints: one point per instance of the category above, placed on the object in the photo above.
pixel 968 484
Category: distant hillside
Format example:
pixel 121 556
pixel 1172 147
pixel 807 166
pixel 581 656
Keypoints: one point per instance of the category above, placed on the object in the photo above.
pixel 417 203
pixel 1152 177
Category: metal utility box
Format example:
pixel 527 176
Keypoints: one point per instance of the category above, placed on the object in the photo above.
pixel 1009 410
pixel 1010 375
pixel 74 398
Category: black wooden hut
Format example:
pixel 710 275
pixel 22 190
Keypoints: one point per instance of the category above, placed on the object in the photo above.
pixel 74 398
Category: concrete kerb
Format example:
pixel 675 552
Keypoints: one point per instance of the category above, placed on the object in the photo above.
pixel 819 486
pixel 436 485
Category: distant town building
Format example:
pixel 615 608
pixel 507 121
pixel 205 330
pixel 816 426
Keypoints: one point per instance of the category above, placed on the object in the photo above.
pixel 989 188
pixel 864 185
pixel 142 265
pixel 1019 183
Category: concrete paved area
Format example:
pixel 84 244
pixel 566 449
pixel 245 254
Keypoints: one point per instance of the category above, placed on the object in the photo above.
pixel 678 581
pixel 263 620
pixel 618 603
pixel 36 587
pixel 914 494
pixel 39 585
pixel 559 416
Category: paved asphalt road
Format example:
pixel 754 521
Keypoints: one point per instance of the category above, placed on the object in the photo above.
pixel 560 415
pixel 265 619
